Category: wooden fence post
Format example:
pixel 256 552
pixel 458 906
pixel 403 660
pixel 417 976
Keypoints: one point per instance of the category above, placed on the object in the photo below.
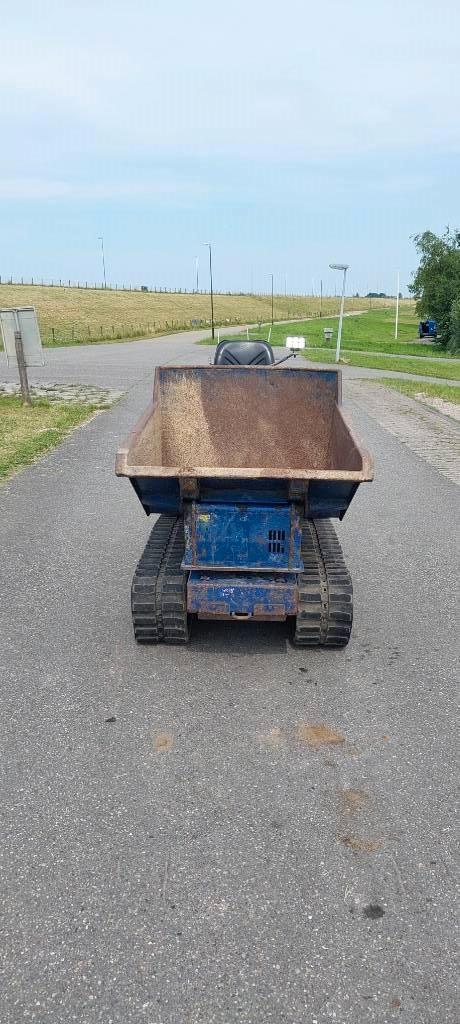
pixel 23 380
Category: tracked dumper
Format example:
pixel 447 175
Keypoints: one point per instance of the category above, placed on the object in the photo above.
pixel 246 465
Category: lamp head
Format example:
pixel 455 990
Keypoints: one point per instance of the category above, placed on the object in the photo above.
pixel 295 344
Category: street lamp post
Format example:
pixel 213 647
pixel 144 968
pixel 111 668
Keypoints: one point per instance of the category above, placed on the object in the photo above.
pixel 210 279
pixel 103 259
pixel 397 308
pixel 272 298
pixel 344 267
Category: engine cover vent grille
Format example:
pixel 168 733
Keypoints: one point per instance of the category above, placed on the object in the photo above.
pixel 276 539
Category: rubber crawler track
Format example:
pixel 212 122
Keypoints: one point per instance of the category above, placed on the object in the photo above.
pixel 325 613
pixel 159 600
pixel 158 592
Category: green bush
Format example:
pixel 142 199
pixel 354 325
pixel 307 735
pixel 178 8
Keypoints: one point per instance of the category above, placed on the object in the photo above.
pixel 453 343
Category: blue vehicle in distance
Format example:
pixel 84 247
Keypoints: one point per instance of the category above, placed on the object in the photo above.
pixel 427 329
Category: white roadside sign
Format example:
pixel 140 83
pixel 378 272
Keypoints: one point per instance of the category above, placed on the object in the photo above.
pixel 23 319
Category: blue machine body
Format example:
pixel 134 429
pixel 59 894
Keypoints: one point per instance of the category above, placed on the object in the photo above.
pixel 244 559
pixel 245 595
pixel 241 536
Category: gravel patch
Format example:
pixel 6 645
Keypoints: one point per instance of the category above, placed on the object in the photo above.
pixel 447 408
pixel 75 393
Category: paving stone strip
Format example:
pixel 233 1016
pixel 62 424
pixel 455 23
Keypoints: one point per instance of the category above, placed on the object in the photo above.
pixel 432 436
pixel 66 392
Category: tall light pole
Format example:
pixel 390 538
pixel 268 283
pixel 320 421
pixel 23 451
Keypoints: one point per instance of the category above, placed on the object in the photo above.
pixel 209 245
pixel 344 267
pixel 272 298
pixel 103 258
pixel 196 273
pixel 397 308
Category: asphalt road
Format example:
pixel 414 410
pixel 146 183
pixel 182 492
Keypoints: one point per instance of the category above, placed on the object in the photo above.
pixel 175 848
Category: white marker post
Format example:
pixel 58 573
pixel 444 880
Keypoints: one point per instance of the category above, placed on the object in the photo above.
pixel 397 308
pixel 344 267
pixel 22 366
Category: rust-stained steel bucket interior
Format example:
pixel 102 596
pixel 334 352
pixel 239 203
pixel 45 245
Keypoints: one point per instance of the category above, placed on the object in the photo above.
pixel 243 417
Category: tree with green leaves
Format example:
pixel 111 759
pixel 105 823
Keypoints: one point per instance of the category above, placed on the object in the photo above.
pixel 454 333
pixel 436 284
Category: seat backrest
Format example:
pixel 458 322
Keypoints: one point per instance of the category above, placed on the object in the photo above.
pixel 244 353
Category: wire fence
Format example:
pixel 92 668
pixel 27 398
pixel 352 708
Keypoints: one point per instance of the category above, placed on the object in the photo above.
pixel 77 335
pixel 164 290
pixel 101 287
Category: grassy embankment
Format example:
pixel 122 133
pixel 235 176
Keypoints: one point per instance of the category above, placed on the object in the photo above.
pixel 371 331
pixel 69 316
pixel 27 432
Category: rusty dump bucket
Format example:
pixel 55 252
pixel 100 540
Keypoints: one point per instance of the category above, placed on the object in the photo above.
pixel 254 430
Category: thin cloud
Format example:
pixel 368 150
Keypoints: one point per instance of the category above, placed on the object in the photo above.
pixel 31 189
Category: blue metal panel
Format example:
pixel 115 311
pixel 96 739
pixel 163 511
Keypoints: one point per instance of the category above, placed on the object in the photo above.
pixel 162 494
pixel 326 498
pixel 262 596
pixel 244 491
pixel 329 498
pixel 238 536
pixel 158 494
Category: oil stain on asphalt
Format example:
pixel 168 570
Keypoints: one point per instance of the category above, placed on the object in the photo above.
pixel 373 911
pixel 318 735
pixel 360 845
pixel 162 742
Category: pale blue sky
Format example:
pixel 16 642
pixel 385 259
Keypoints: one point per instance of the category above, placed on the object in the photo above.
pixel 290 134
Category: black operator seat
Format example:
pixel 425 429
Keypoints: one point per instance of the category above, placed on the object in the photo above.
pixel 244 353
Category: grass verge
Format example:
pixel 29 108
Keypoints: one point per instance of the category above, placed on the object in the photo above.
pixel 367 332
pixel 27 432
pixel 444 368
pixel 448 392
